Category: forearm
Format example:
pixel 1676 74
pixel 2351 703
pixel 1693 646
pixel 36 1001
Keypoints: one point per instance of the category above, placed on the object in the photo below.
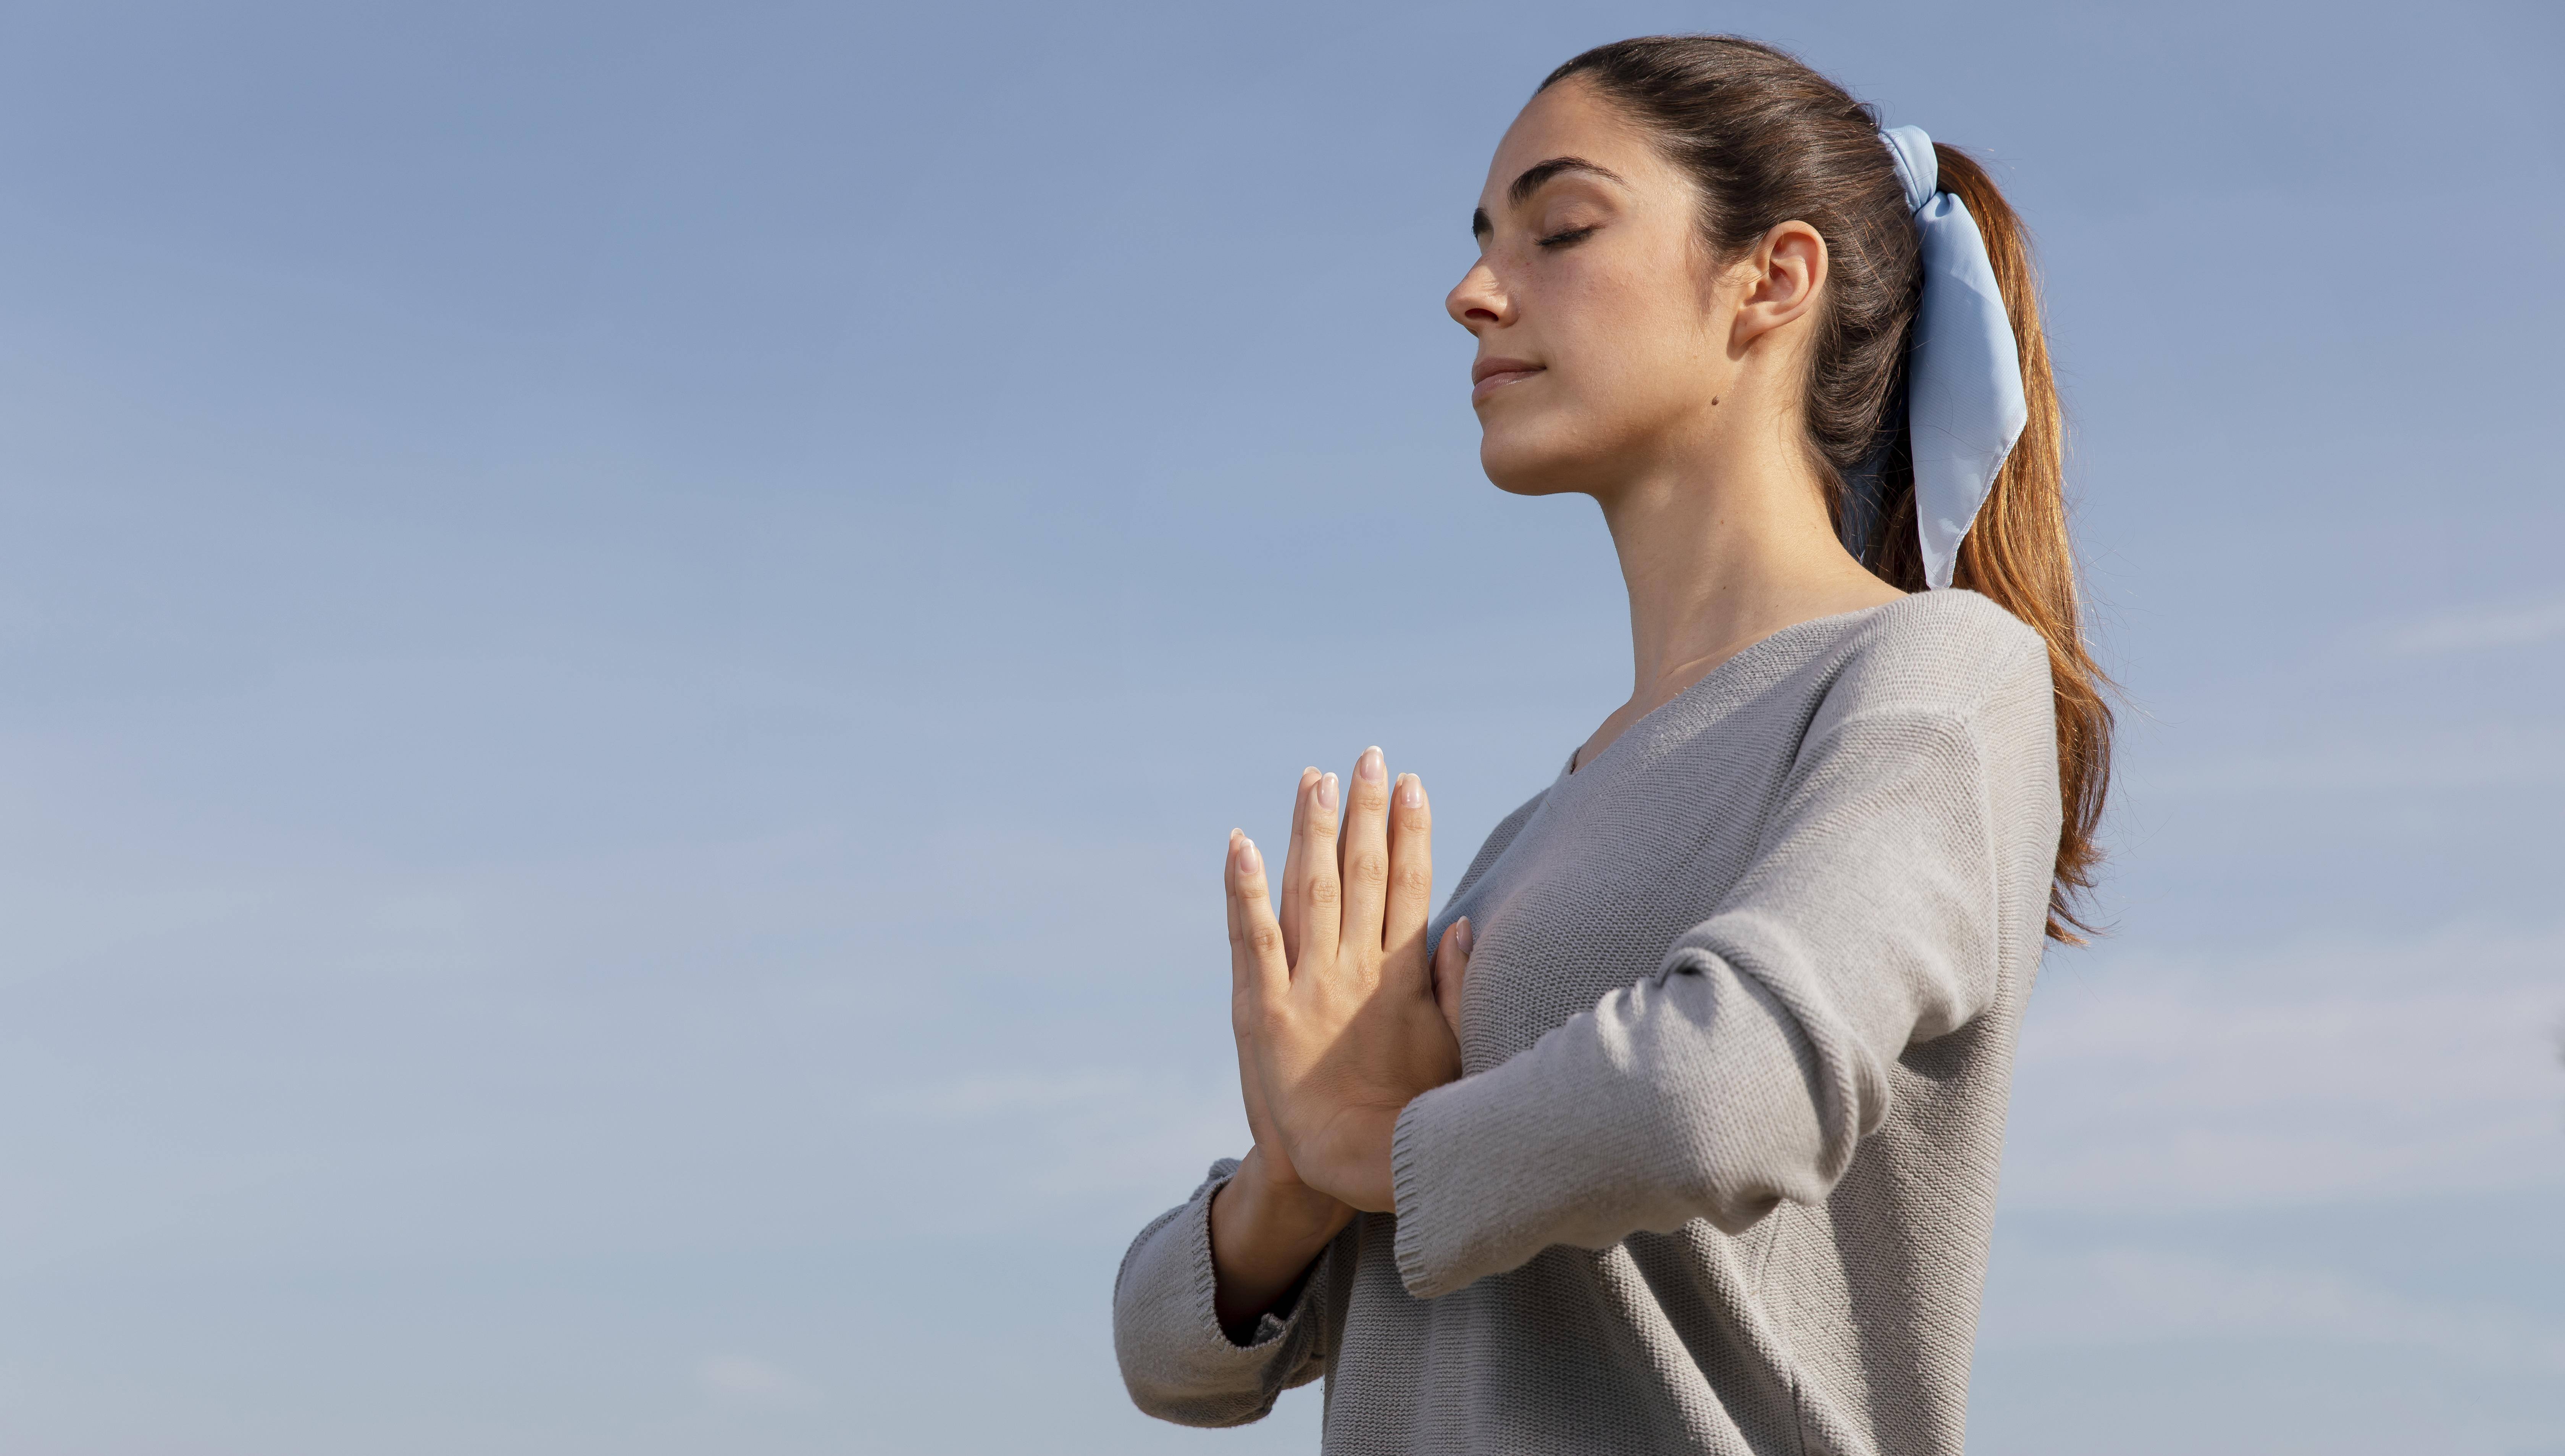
pixel 1265 1234
pixel 1690 1097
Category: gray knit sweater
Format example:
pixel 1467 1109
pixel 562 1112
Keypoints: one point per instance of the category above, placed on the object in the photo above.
pixel 1718 1173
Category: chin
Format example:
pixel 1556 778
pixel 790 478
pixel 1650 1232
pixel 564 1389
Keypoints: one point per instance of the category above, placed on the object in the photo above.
pixel 1537 457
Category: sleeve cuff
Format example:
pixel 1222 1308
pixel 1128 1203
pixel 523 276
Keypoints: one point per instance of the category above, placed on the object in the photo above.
pixel 1177 1361
pixel 1205 1283
pixel 1423 1246
pixel 1269 1325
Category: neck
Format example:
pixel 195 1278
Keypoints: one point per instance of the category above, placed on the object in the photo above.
pixel 1717 554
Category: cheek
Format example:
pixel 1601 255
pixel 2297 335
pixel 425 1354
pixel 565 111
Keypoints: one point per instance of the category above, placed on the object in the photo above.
pixel 1622 374
pixel 1632 351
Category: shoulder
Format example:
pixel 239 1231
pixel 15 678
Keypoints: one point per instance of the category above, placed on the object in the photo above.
pixel 1948 652
pixel 1945 677
pixel 1949 657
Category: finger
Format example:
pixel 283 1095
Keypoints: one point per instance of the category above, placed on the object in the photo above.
pixel 1319 889
pixel 1263 971
pixel 1245 1014
pixel 1366 849
pixel 1295 867
pixel 1238 969
pixel 1411 881
pixel 1245 1006
pixel 1451 968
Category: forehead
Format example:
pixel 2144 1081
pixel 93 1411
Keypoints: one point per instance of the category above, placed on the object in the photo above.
pixel 1569 120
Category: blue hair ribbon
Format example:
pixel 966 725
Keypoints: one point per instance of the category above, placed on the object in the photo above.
pixel 1964 396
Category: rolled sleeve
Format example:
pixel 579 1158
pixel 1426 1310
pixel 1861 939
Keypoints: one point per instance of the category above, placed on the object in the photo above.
pixel 1177 1362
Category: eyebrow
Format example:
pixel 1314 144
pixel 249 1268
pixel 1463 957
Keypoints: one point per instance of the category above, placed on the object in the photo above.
pixel 1531 181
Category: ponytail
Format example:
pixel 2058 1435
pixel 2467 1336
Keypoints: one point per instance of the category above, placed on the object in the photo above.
pixel 2017 551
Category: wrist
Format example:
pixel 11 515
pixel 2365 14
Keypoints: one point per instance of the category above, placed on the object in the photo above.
pixel 1278 1205
pixel 1265 1230
pixel 1359 1169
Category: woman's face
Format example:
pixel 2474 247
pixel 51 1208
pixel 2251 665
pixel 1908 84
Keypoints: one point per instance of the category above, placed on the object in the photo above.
pixel 1602 323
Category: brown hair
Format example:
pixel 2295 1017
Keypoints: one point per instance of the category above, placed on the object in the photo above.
pixel 1770 140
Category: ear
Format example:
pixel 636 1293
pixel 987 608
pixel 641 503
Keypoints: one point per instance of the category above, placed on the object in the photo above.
pixel 1783 276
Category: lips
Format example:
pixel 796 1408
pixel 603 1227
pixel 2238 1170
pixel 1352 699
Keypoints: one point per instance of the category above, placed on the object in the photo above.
pixel 1487 376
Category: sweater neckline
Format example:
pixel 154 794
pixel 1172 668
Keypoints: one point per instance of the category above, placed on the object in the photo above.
pixel 1716 676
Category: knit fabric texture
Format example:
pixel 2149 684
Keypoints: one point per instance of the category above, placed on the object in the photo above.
pixel 1720 1169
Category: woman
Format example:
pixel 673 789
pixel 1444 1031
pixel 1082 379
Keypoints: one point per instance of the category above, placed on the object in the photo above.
pixel 1677 1130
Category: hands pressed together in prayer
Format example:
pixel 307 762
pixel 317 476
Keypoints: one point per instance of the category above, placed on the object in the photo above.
pixel 1339 1018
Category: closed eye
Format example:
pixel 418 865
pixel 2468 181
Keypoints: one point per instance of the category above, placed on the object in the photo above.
pixel 1571 238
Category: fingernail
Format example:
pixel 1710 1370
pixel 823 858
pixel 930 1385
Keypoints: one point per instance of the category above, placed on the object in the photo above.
pixel 1370 766
pixel 1411 791
pixel 1249 861
pixel 1461 928
pixel 1327 791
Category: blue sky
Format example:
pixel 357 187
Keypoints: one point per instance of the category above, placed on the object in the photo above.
pixel 628 636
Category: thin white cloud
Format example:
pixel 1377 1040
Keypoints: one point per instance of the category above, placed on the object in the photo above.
pixel 2309 1072
pixel 2493 755
pixel 2478 629
pixel 1005 1093
pixel 745 1380
pixel 1102 1144
pixel 2134 1294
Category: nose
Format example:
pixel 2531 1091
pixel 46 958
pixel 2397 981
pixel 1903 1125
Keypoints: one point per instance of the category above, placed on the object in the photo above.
pixel 1477 302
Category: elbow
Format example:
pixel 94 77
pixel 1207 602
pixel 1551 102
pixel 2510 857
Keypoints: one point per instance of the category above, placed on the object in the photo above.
pixel 1163 1385
pixel 1735 1182
pixel 1179 1368
pixel 1190 1407
pixel 1751 1127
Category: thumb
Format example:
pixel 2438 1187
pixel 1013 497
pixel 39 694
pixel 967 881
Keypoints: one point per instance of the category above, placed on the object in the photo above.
pixel 1451 966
